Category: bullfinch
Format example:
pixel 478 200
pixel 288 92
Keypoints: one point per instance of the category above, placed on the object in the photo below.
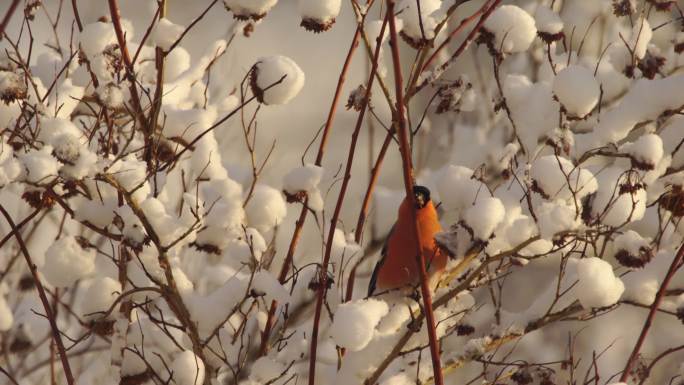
pixel 397 267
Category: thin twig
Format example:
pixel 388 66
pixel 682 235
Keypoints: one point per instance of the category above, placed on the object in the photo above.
pixel 408 185
pixel 674 266
pixel 56 334
pixel 299 225
pixel 323 271
pixel 8 16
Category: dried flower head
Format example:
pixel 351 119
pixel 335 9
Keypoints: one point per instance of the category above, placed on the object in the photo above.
pixel 356 98
pixel 628 259
pixel 317 26
pixel 12 86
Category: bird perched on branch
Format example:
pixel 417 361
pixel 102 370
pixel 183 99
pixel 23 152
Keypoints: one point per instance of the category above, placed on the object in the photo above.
pixel 397 267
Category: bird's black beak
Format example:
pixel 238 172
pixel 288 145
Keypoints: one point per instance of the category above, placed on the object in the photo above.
pixel 420 201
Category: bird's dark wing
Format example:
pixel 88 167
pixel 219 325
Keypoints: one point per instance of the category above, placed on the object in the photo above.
pixel 383 254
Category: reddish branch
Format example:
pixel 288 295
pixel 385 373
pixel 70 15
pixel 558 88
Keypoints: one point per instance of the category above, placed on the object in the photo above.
pixel 676 264
pixel 130 75
pixel 455 32
pixel 471 35
pixel 57 337
pixel 287 263
pixel 408 184
pixel 388 138
pixel 323 271
pixel 76 15
pixel 8 16
pixel 363 213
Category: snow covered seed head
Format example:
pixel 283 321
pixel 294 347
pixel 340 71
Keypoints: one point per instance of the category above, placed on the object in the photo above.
pixel 646 152
pixel 598 286
pixel 12 87
pixel 418 24
pixel 577 90
pixel 513 29
pixel 549 24
pixel 249 9
pixel 354 323
pixel 319 15
pixel 276 79
pixel 673 201
pixel 632 250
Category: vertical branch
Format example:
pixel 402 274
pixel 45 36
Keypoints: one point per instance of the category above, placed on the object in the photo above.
pixel 408 184
pixel 444 66
pixel 74 7
pixel 287 263
pixel 130 75
pixel 323 271
pixel 676 264
pixel 363 213
pixel 158 93
pixel 43 298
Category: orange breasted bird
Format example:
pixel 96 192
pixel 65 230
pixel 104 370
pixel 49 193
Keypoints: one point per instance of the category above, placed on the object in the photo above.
pixel 397 267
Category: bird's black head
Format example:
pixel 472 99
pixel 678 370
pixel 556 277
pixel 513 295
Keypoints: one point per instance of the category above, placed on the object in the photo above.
pixel 422 196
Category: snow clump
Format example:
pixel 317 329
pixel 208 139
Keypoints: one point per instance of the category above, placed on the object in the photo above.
pixel 484 217
pixel 305 179
pixel 577 90
pixel 249 9
pixel 355 322
pixel 266 209
pixel 281 74
pixel 548 21
pixel 598 286
pixel 415 23
pixel 319 15
pixel 166 33
pixel 646 152
pixel 66 262
pixel 188 369
pixel 513 29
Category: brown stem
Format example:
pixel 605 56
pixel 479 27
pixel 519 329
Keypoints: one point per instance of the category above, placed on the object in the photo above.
pixel 453 33
pixel 130 75
pixel 169 289
pixel 471 35
pixel 287 263
pixel 74 7
pixel 159 89
pixel 676 264
pixel 363 213
pixel 465 284
pixel 43 298
pixel 192 24
pixel 8 16
pixel 408 184
pixel 323 272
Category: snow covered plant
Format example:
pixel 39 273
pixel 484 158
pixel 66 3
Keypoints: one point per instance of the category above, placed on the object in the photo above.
pixel 184 200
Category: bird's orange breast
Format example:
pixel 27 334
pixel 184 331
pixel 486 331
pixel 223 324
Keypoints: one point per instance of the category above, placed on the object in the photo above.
pixel 399 267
